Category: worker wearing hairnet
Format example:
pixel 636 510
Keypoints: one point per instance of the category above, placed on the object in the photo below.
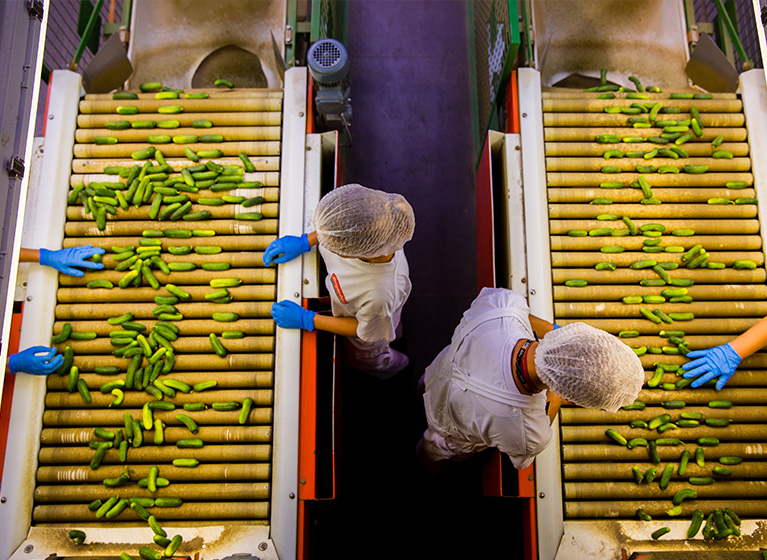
pixel 360 233
pixel 42 360
pixel 720 362
pixel 490 386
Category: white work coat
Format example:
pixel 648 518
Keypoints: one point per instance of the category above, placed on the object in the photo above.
pixel 471 400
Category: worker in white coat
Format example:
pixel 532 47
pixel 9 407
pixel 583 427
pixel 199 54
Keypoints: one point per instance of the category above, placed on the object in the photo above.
pixel 42 360
pixel 491 387
pixel 360 233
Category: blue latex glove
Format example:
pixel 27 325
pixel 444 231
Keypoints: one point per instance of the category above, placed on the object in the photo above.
pixel 555 327
pixel 289 247
pixel 64 259
pixel 289 315
pixel 720 361
pixel 37 360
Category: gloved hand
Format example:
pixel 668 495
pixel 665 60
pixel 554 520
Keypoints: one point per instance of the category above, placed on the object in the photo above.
pixel 289 247
pixel 720 361
pixel 290 315
pixel 555 326
pixel 64 259
pixel 28 361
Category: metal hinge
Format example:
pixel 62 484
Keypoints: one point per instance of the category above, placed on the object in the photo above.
pixel 15 168
pixel 35 9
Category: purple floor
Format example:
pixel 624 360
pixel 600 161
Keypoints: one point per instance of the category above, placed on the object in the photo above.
pixel 412 134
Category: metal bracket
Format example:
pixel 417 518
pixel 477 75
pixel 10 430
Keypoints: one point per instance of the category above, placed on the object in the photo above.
pixel 35 9
pixel 288 35
pixel 15 167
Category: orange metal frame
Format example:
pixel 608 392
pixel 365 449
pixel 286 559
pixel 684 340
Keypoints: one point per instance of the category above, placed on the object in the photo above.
pixel 496 481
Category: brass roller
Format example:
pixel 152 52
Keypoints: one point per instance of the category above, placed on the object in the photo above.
pixel 232 379
pixel 613 508
pixel 184 344
pixel 212 94
pixel 595 452
pixel 209 434
pixel 230 133
pixel 594 149
pixel 246 118
pixel 624 260
pixel 188 492
pixel 136 399
pixel 192 327
pixel 270 178
pixel 215 472
pixel 595 164
pixel 65 311
pixel 741 396
pixel 607 119
pixel 558 92
pixel 245 292
pixel 630 276
pixel 212 511
pixel 591 434
pixel 584 105
pixel 722 242
pixel 236 260
pixel 134 228
pixel 622 471
pixel 226 242
pixel 179 278
pixel 269 194
pixel 650 211
pixel 188 362
pixel 699 226
pixel 227 211
pixel 685 180
pixel 82 167
pixel 629 490
pixel 741 413
pixel 150 106
pixel 105 417
pixel 258 148
pixel 699 292
pixel 702 194
pixel 696 342
pixel 696 326
pixel 584 134
pixel 701 309
pixel 153 454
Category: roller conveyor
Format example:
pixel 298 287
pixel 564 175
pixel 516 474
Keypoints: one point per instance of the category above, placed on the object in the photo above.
pixel 598 481
pixel 227 441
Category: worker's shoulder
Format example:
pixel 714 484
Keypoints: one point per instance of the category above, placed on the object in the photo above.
pixel 499 297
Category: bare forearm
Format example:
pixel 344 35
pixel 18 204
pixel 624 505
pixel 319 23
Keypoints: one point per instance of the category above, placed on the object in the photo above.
pixel 540 326
pixel 312 238
pixel 751 340
pixel 29 255
pixel 344 326
pixel 554 401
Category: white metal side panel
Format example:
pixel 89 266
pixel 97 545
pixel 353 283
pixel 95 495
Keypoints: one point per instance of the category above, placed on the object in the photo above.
pixel 29 392
pixel 547 469
pixel 515 201
pixel 288 343
pixel 753 91
pixel 34 86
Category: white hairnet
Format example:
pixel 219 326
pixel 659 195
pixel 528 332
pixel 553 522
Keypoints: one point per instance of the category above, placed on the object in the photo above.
pixel 354 221
pixel 589 367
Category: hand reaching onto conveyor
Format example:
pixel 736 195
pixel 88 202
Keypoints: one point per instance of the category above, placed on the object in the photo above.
pixel 290 315
pixel 37 360
pixel 720 361
pixel 286 249
pixel 64 260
